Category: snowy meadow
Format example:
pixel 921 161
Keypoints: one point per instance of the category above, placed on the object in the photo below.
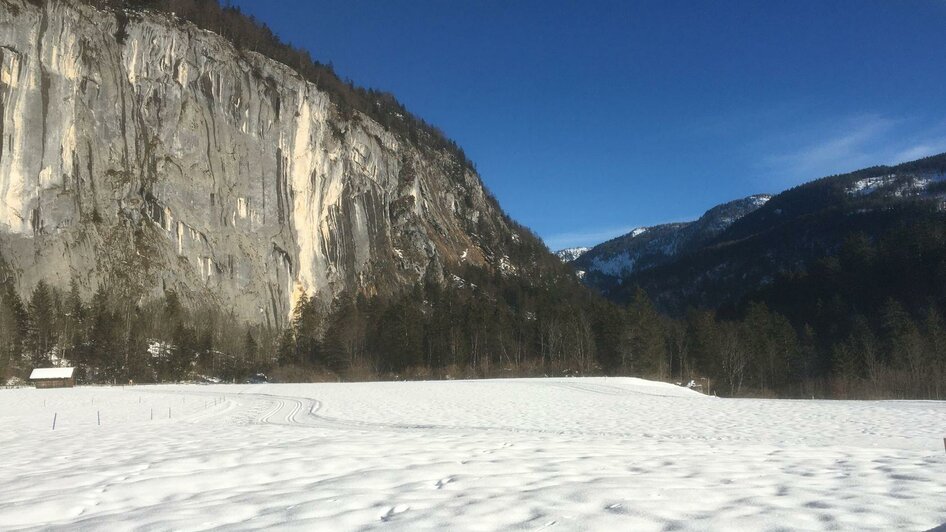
pixel 561 454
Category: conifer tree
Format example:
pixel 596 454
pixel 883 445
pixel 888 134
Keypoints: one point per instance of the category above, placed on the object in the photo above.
pixel 13 330
pixel 41 335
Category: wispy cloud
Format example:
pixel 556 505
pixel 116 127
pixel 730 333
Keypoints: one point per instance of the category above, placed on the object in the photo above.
pixel 594 236
pixel 843 146
pixel 805 152
pixel 920 150
pixel 589 237
pixel 847 144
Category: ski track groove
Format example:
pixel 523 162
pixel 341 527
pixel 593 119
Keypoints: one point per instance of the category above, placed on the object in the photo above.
pixel 311 418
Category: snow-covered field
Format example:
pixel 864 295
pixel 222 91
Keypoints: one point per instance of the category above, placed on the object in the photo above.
pixel 563 454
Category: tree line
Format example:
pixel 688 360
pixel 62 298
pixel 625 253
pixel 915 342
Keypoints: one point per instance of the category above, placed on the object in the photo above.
pixel 872 311
pixel 477 324
pixel 110 340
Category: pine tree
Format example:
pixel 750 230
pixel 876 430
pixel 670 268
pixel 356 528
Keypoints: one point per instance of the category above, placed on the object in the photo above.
pixel 41 337
pixel 185 353
pixel 345 335
pixel 733 355
pixel 845 361
pixel 648 348
pixel 250 347
pixel 771 341
pixel 307 328
pixel 73 337
pixel 864 342
pixel 400 335
pixel 105 358
pixel 935 347
pixel 14 327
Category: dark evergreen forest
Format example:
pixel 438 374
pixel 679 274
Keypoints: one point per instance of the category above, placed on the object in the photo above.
pixel 866 323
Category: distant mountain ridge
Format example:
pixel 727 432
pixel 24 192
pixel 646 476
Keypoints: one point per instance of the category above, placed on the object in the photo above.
pixel 570 254
pixel 604 266
pixel 740 247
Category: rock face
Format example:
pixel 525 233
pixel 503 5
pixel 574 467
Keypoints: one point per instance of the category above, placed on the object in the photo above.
pixel 168 159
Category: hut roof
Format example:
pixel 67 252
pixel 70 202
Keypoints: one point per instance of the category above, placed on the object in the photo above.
pixel 51 373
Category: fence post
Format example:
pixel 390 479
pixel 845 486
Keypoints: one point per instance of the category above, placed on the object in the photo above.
pixel 98 415
pixel 54 420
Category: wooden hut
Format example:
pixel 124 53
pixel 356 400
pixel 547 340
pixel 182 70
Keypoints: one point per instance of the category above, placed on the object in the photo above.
pixel 53 377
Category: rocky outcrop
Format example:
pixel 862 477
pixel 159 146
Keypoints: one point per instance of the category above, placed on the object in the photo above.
pixel 160 157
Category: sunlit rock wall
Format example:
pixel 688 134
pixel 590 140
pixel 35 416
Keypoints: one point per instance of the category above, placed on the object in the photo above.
pixel 173 161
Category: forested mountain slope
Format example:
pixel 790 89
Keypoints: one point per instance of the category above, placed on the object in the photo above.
pixel 605 266
pixel 792 231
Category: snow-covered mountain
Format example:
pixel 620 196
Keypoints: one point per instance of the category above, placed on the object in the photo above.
pixel 606 264
pixel 570 254
pixel 738 248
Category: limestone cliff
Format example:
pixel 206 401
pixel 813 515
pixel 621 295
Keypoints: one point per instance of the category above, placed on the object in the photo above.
pixel 165 158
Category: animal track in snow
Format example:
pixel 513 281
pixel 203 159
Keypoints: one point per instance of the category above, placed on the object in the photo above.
pixel 388 514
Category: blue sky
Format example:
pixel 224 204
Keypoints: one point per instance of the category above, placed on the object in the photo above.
pixel 587 119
